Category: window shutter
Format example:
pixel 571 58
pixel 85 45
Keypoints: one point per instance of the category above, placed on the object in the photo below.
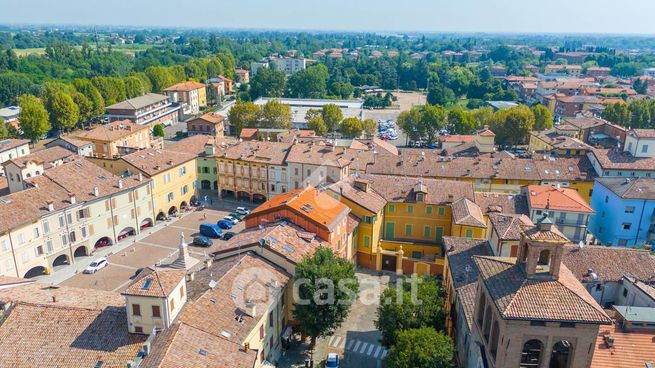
pixel 116 220
pixel 109 222
pixel 138 211
pixel 107 205
pixel 90 229
pixel 113 202
pixel 129 197
pixel 132 212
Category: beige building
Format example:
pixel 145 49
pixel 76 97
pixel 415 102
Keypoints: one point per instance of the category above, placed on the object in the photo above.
pixel 57 217
pixel 118 138
pixel 150 109
pixel 22 168
pixel 191 95
pixel 13 148
pixel 173 176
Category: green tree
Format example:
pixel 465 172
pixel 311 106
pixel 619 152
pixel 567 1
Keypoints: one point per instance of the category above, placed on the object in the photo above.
pixel 461 121
pixel 13 85
pixel 543 118
pixel 241 115
pixel 352 127
pixel 274 114
pixel 229 64
pixel 111 89
pixel 332 116
pixel 64 112
pixel 84 105
pixel 327 291
pixel 617 113
pixel 4 133
pixel 483 115
pixel 512 126
pixel 215 68
pixel 85 87
pixel 640 86
pixel 369 126
pixel 441 95
pixel 433 119
pixel 158 130
pixel 268 82
pixel 309 83
pixel 160 78
pixel 34 119
pixel 409 121
pixel 421 348
pixel 398 311
pixel 315 121
pixel 133 87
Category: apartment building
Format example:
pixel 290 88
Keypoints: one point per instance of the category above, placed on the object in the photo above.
pixel 192 96
pixel 57 217
pixel 118 138
pixel 210 124
pixel 564 206
pixel 13 148
pixel 172 174
pixel 253 170
pixel 150 109
pixel 314 164
pixel 315 212
pixel 572 70
pixel 77 146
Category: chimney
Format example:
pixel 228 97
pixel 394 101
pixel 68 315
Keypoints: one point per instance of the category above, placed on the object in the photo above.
pixel 96 191
pixel 120 183
pixel 71 198
pixel 51 206
pixel 450 198
pixel 54 299
pixel 140 176
pixel 251 309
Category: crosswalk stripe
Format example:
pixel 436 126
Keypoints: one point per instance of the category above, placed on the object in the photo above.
pixel 384 353
pixel 370 349
pixel 331 340
pixel 357 345
pixel 336 341
pixel 377 352
pixel 343 344
pixel 350 344
pixel 361 351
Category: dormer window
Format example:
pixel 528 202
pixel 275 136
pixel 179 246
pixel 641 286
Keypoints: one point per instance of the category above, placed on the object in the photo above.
pixel 420 197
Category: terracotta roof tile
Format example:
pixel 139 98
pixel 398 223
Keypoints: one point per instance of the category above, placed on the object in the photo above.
pixel 273 153
pixel 154 161
pixel 466 212
pixel 631 349
pixel 45 156
pixel 502 202
pixel 460 252
pixel 403 189
pixel 609 263
pixel 558 199
pixel 309 203
pixel 184 87
pixel 65 296
pixel 369 199
pixel 113 131
pixel 509 226
pixel 158 282
pixel 518 297
pixel 611 159
pixel 7 144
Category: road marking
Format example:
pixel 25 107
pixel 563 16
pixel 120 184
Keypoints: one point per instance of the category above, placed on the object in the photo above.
pixel 350 344
pixel 343 343
pixel 361 351
pixel 357 345
pixel 384 353
pixel 377 352
pixel 370 349
pixel 336 341
pixel 124 266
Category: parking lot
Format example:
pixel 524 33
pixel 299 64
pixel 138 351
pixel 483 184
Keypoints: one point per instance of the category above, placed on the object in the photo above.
pixel 158 244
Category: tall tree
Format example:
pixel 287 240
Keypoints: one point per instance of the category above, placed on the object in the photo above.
pixel 4 132
pixel 461 121
pixel 85 87
pixel 84 105
pixel 275 114
pixel 512 126
pixel 421 348
pixel 64 112
pixel 369 126
pixel 332 116
pixel 241 115
pixel 158 130
pixel 34 120
pixel 315 121
pixel 160 77
pixel 543 118
pixel 433 119
pixel 441 95
pixel 321 309
pixel 268 82
pixel 409 122
pixel 352 127
pixel 398 312
pixel 309 83
pixel 133 87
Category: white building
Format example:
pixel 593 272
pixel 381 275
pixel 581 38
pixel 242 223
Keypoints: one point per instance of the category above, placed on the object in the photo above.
pixel 12 148
pixel 299 108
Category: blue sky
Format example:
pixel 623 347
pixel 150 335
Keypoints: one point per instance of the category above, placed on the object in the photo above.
pixel 534 16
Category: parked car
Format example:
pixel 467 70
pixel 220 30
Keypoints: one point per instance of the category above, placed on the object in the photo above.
pixel 237 216
pixel 211 231
pixel 225 224
pixel 332 360
pixel 231 219
pixel 242 210
pixel 202 241
pixel 229 235
pixel 96 265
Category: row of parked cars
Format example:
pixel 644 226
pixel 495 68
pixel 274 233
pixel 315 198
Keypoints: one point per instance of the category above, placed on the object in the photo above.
pixel 387 130
pixel 209 231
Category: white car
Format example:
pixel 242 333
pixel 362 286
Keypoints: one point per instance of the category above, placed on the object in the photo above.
pixel 332 361
pixel 96 265
pixel 231 219
pixel 242 210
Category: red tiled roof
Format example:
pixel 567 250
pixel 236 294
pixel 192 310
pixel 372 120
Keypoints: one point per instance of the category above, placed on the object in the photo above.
pixel 558 199
pixel 631 349
pixel 160 281
pixel 184 87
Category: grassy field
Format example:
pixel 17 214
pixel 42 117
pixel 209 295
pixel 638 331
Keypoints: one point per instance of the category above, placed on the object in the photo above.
pixel 126 49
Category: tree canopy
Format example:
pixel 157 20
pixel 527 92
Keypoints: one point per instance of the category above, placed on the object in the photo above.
pixel 421 348
pixel 34 120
